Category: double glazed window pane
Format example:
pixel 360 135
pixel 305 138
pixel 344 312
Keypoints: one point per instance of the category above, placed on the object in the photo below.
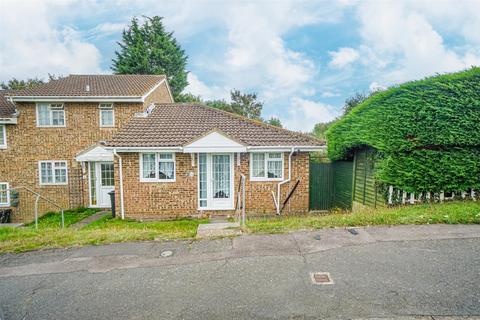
pixel 47 173
pixel 3 138
pixel 58 118
pixel 107 174
pixel 43 115
pixel 106 118
pixel 3 193
pixel 166 170
pixel 149 165
pixel 258 165
pixel 275 169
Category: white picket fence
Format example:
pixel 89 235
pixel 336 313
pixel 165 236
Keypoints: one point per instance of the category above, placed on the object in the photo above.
pixel 397 196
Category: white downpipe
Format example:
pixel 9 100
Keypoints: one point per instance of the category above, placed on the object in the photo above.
pixel 277 202
pixel 120 167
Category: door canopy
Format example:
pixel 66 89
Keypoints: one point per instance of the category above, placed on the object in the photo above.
pixel 214 141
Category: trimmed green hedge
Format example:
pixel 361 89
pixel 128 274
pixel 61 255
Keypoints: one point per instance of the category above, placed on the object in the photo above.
pixel 427 133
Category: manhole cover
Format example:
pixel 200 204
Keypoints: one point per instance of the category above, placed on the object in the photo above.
pixel 353 231
pixel 166 253
pixel 321 278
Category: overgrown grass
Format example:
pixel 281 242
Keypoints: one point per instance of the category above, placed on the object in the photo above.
pixel 107 230
pixel 467 212
pixel 54 219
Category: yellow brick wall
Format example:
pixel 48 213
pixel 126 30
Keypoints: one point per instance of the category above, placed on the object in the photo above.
pixel 28 144
pixel 162 200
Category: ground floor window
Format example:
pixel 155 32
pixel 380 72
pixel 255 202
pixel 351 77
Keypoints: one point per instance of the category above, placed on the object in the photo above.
pixel 4 195
pixel 3 136
pixel 266 166
pixel 157 167
pixel 53 172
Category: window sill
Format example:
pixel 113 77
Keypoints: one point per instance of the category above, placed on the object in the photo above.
pixel 38 126
pixel 265 179
pixel 156 181
pixel 53 184
pixel 4 205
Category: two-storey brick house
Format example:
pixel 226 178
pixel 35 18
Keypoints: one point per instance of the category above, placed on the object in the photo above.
pixel 49 135
pixel 76 139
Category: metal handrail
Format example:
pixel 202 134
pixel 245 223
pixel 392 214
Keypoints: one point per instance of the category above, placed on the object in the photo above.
pixel 39 196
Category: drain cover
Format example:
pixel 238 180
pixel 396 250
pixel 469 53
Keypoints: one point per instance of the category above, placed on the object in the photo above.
pixel 353 231
pixel 321 278
pixel 166 253
pixel 317 237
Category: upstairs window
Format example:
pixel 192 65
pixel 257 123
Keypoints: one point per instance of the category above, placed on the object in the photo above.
pixel 157 167
pixel 50 115
pixel 53 172
pixel 107 115
pixel 4 195
pixel 3 136
pixel 266 166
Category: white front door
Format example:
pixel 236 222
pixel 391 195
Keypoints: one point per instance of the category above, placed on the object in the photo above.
pixel 101 183
pixel 215 181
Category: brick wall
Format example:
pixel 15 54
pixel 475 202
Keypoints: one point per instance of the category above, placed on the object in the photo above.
pixel 154 200
pixel 28 144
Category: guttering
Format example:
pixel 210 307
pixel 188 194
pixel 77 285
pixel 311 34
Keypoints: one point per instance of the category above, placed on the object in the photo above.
pixel 277 202
pixel 12 120
pixel 285 148
pixel 76 99
pixel 120 169
pixel 247 149
pixel 145 149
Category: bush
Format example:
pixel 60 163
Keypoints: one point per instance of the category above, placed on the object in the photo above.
pixel 427 133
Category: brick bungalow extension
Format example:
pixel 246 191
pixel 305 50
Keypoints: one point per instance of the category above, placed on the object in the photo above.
pixel 75 139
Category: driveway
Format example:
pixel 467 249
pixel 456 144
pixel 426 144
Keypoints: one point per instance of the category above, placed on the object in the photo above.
pixel 378 272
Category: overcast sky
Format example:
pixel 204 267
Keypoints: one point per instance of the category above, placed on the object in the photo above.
pixel 303 58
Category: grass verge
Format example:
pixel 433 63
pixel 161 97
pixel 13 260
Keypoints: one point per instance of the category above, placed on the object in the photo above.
pixel 107 230
pixel 459 212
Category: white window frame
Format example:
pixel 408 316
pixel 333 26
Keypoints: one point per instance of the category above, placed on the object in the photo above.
pixel 6 204
pixel 265 177
pixel 157 160
pixel 54 183
pixel 106 107
pixel 3 144
pixel 58 106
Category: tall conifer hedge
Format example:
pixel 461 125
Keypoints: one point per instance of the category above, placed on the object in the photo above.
pixel 426 132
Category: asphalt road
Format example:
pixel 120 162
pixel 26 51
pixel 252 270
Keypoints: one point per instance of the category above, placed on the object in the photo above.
pixel 374 275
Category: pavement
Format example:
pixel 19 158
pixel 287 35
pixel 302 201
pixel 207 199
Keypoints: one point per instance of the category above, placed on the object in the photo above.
pixel 405 272
pixel 94 217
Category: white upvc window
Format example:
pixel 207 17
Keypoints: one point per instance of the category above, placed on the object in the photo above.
pixel 107 115
pixel 3 136
pixel 266 166
pixel 4 194
pixel 53 172
pixel 157 167
pixel 50 115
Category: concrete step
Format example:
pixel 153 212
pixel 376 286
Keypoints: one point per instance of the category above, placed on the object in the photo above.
pixel 218 229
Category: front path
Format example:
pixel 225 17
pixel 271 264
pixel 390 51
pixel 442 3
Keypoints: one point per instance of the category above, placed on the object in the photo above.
pixel 381 271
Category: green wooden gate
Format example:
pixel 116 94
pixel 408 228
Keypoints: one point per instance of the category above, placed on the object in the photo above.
pixel 331 185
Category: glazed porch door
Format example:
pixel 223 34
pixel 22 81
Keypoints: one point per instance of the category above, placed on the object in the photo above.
pixel 215 181
pixel 101 183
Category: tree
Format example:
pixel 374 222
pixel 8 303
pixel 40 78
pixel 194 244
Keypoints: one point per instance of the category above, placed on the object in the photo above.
pixel 353 101
pixel 246 104
pixel 150 49
pixel 15 84
pixel 275 122
pixel 321 128
pixel 188 97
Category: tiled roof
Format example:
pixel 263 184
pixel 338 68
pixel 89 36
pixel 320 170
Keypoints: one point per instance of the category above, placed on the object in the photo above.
pixel 98 85
pixel 7 108
pixel 177 124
